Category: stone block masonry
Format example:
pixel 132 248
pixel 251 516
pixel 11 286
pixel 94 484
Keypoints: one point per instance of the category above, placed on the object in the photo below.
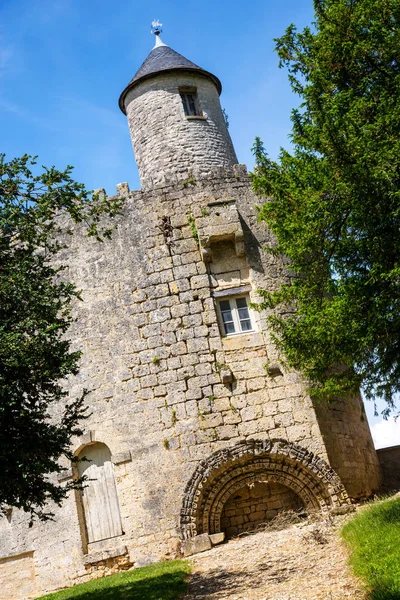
pixel 168 390
pixel 169 147
pixel 196 431
pixel 257 504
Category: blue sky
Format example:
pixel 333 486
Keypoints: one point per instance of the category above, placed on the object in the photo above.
pixel 63 64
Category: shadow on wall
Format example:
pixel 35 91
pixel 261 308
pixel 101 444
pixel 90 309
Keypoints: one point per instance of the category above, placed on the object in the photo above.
pixel 253 254
pixel 256 504
pixel 389 460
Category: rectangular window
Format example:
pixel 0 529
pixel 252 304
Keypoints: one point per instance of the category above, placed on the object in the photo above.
pixel 235 315
pixel 191 104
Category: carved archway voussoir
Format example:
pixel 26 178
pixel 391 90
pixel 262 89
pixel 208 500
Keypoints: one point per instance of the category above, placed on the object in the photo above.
pixel 212 517
pixel 211 509
pixel 215 478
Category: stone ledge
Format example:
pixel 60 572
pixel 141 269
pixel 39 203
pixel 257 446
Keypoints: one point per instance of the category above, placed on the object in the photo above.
pixel 65 475
pixel 242 341
pixel 96 557
pixel 18 556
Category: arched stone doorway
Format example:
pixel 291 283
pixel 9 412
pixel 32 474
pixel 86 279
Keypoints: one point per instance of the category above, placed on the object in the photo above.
pixel 217 480
pixel 256 503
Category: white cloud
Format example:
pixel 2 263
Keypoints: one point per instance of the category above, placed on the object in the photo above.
pixel 386 433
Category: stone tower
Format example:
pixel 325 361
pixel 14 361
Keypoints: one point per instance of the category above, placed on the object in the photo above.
pixel 175 119
pixel 195 427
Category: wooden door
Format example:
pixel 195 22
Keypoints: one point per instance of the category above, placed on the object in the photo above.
pixel 99 496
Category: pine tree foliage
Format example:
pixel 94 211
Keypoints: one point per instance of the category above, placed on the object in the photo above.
pixel 37 419
pixel 334 202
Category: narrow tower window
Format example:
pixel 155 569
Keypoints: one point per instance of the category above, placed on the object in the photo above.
pixel 190 102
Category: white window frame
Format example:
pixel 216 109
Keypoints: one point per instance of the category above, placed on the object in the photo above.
pixel 235 315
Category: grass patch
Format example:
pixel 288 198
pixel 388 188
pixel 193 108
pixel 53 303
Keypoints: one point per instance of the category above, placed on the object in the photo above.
pixel 162 581
pixel 374 539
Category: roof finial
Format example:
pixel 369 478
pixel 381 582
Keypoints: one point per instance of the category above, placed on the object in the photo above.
pixel 156 28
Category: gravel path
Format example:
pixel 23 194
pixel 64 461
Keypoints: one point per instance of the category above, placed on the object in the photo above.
pixel 302 562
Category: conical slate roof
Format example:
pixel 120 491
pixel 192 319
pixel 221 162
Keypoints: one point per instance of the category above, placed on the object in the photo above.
pixel 163 59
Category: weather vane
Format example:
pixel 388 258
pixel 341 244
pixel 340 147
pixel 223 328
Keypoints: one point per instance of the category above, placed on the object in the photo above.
pixel 156 27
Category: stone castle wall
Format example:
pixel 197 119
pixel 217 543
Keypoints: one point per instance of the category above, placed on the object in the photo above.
pixel 345 430
pixel 167 390
pixel 166 143
pixel 389 460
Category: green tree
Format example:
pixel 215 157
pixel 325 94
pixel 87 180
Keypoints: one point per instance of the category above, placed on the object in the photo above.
pixel 334 200
pixel 37 421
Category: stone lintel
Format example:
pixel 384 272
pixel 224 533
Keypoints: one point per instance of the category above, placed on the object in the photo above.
pixel 243 289
pixel 121 457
